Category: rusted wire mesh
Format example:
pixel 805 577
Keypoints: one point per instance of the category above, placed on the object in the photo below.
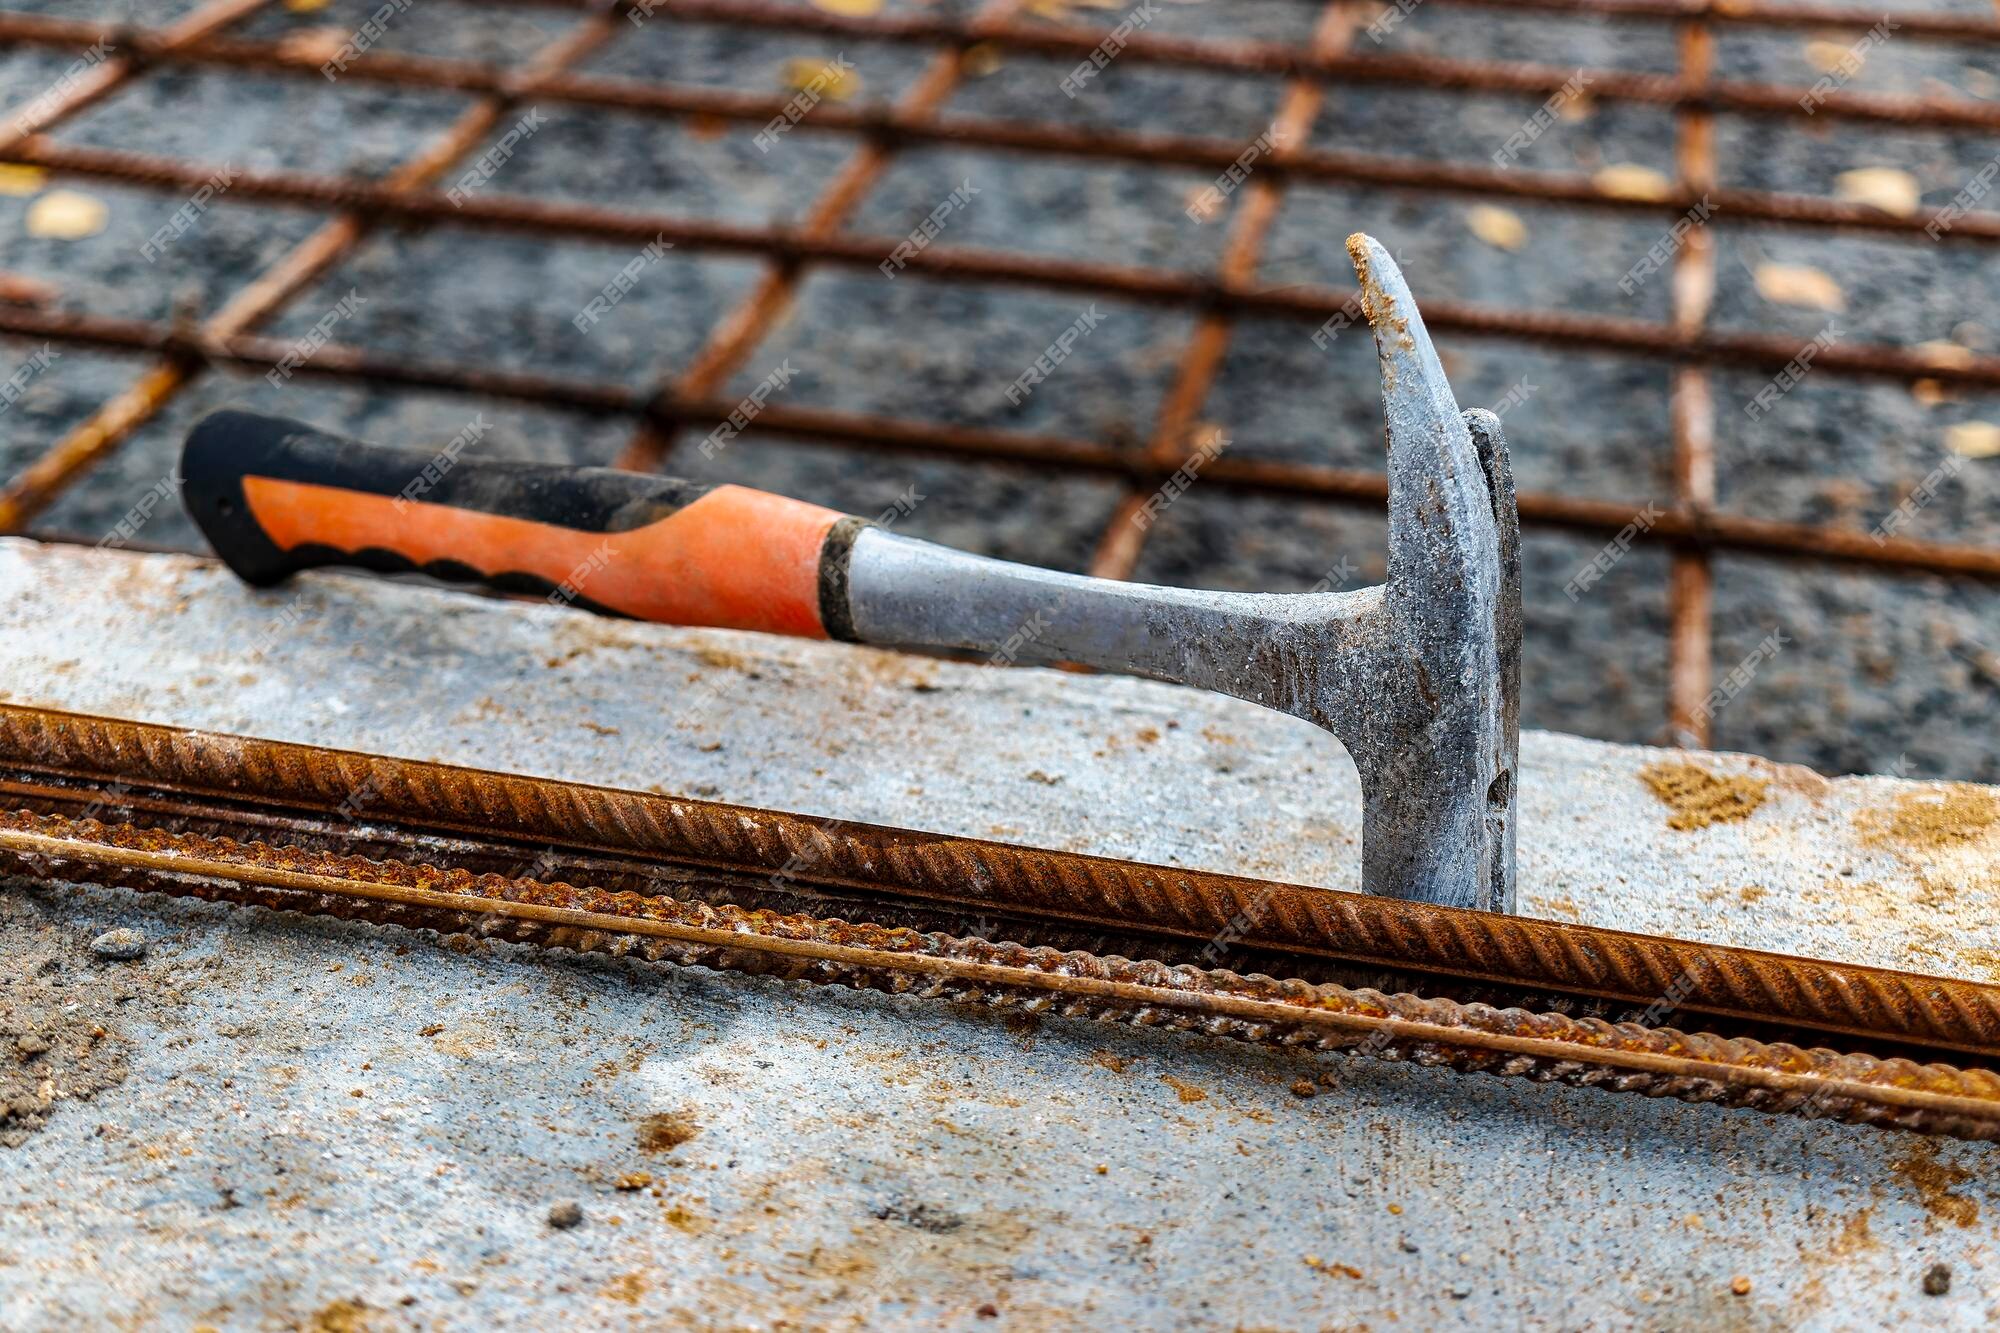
pixel 691 398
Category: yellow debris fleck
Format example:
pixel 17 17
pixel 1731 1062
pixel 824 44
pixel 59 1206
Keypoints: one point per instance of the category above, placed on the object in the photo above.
pixel 1060 9
pixel 830 80
pixel 1973 439
pixel 1894 192
pixel 980 60
pixel 859 9
pixel 20 181
pixel 1799 284
pixel 1699 798
pixel 1629 180
pixel 1933 818
pixel 1501 228
pixel 66 215
pixel 1941 353
pixel 1826 56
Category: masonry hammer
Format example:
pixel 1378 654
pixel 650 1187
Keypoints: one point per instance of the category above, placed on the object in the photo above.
pixel 1419 677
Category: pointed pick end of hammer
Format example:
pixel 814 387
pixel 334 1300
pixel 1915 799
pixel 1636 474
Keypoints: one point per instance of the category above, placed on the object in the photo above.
pixel 1414 388
pixel 1439 511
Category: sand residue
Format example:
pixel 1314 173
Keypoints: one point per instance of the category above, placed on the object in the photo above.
pixel 1699 798
pixel 666 1131
pixel 1944 817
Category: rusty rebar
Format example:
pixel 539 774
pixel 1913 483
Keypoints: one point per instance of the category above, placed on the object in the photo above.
pixel 1691 417
pixel 1779 1078
pixel 114 421
pixel 902 125
pixel 1712 979
pixel 1399 69
pixel 820 427
pixel 1807 14
pixel 1750 14
pixel 1592 333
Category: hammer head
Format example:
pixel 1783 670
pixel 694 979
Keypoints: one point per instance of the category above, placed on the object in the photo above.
pixel 1424 687
pixel 1419 678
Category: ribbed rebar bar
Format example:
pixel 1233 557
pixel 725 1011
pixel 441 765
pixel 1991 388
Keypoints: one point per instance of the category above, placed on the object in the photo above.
pixel 1627 1057
pixel 1707 978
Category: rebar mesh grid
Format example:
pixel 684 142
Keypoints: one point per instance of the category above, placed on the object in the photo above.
pixel 691 397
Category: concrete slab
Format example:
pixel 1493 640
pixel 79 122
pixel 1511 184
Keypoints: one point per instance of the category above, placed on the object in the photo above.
pixel 321 1121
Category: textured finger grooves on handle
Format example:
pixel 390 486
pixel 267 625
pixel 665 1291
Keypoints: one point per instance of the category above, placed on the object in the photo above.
pixel 276 496
pixel 734 558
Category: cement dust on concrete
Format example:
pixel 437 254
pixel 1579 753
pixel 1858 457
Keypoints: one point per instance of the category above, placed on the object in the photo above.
pixel 328 1122
pixel 59 1037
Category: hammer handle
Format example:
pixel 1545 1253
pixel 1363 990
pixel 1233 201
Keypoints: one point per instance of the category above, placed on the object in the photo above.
pixel 276 496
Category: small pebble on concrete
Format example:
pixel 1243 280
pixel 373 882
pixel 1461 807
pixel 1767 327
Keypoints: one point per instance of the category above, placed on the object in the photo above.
pixel 121 945
pixel 566 1215
pixel 1937 1281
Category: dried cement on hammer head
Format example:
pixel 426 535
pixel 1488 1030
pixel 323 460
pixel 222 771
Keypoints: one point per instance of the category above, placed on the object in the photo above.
pixel 1698 798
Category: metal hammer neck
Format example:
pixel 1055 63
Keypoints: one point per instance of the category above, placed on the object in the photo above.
pixel 1268 648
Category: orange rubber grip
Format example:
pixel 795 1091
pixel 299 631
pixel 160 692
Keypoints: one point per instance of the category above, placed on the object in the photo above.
pixel 276 496
pixel 734 559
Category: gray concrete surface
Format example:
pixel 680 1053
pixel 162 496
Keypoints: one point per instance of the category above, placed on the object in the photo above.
pixel 1880 672
pixel 326 1123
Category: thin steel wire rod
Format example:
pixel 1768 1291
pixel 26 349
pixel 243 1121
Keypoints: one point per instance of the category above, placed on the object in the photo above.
pixel 1249 56
pixel 1808 14
pixel 1751 14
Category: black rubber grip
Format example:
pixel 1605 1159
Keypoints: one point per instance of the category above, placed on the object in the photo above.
pixel 226 448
